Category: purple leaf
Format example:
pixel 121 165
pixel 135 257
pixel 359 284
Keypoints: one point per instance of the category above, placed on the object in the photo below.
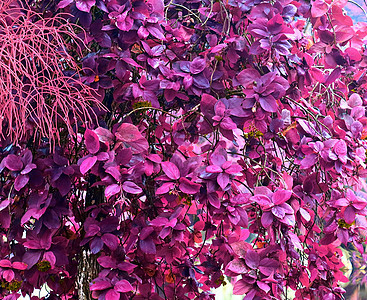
pixel 110 240
pixel 267 219
pixel 156 31
pixel 268 266
pixel 197 65
pixel 147 246
pixel 247 77
pixel 334 75
pixel 20 182
pixel 13 162
pixel 106 262
pixel 252 259
pixel 171 170
pixel 96 245
pixel 87 164
pixel 309 161
pixel 269 103
pixel 123 286
pixel 31 257
pixel 91 141
pixel 131 187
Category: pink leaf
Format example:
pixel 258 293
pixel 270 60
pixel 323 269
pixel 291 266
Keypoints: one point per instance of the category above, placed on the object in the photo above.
pixel 20 182
pixel 319 8
pixel 8 275
pixel 263 286
pixel 128 133
pixel 4 263
pixel 18 265
pixel 165 188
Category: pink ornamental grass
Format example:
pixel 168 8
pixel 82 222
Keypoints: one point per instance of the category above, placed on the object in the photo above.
pixel 36 90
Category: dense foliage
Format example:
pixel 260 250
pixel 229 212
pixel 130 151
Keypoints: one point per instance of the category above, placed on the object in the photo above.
pixel 180 145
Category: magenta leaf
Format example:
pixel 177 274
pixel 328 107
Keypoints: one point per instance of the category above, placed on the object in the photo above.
pixel 106 262
pixel 123 286
pixel 112 295
pixel 64 3
pixel 214 169
pixel 237 266
pixel 197 65
pixel 4 263
pixel 267 219
pixel 241 287
pixel 85 5
pixel 223 180
pixel 111 190
pixel 131 187
pixel 171 170
pixel 20 182
pixel 100 285
pixel 189 187
pixel 252 259
pixel 87 164
pixel 91 141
